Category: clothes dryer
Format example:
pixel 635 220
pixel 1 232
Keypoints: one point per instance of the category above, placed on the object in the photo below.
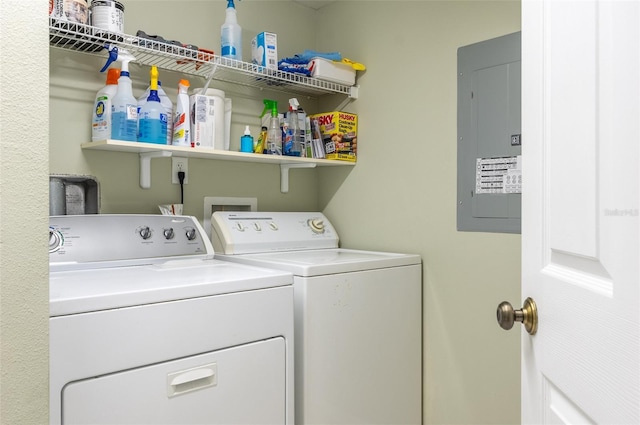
pixel 146 327
pixel 358 316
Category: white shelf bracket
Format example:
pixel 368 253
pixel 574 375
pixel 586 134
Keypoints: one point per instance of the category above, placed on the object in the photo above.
pixel 284 173
pixel 145 166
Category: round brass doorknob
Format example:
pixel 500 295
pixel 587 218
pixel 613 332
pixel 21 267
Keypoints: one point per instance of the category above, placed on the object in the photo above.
pixel 528 315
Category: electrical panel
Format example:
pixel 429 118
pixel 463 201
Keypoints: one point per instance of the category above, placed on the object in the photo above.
pixel 489 137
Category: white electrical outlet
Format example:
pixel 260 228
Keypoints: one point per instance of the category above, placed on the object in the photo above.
pixel 179 164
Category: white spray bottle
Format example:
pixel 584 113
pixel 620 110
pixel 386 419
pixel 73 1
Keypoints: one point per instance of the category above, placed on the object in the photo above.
pixel 124 107
pixel 231 34
pixel 182 120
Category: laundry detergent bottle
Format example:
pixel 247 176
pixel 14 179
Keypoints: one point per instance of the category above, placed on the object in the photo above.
pixel 231 34
pixel 124 107
pixel 152 120
pixel 101 121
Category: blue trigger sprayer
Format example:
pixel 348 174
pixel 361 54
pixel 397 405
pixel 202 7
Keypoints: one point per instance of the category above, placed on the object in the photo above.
pixel 124 107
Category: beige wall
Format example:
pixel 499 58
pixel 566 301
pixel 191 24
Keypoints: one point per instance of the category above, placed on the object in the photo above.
pixel 24 297
pixel 399 197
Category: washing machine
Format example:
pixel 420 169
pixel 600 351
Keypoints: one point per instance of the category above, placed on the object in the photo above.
pixel 358 316
pixel 146 327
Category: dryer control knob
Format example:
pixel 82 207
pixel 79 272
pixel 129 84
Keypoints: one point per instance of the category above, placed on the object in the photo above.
pixel 56 240
pixel 316 225
pixel 145 232
pixel 191 233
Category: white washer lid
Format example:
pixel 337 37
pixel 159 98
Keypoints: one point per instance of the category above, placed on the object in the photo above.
pixel 324 261
pixel 80 291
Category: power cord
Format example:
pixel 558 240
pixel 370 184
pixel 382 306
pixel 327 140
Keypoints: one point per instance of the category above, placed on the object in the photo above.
pixel 181 176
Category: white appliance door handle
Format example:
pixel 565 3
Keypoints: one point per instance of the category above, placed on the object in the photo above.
pixel 193 379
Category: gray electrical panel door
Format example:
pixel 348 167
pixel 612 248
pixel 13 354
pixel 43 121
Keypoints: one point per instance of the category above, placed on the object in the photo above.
pixel 489 160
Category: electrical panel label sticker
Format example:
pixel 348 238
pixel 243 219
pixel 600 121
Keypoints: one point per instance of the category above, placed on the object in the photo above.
pixel 499 175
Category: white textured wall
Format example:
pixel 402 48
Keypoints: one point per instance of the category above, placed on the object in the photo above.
pixel 24 293
pixel 401 196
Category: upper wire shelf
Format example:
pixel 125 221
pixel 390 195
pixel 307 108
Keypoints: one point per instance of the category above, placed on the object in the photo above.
pixel 91 40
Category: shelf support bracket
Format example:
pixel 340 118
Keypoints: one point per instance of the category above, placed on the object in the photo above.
pixel 145 166
pixel 284 173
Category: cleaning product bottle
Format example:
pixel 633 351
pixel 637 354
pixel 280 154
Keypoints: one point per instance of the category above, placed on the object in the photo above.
pixel 292 145
pixel 101 123
pixel 182 120
pixel 274 134
pixel 164 101
pixel 262 140
pixel 152 123
pixel 246 141
pixel 124 107
pixel 231 34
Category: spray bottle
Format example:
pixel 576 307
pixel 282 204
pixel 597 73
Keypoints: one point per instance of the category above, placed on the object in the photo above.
pixel 164 101
pixel 101 123
pixel 152 122
pixel 124 107
pixel 182 121
pixel 231 34
pixel 274 134
pixel 292 145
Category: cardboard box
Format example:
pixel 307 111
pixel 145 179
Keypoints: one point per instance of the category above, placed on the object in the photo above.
pixel 264 50
pixel 338 132
pixel 206 130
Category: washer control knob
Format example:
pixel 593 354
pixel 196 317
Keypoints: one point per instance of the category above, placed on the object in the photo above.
pixel 145 232
pixel 239 226
pixel 256 226
pixel 168 233
pixel 55 240
pixel 191 233
pixel 316 225
pixel 273 226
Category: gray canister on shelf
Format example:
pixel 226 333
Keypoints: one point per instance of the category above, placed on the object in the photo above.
pixel 108 15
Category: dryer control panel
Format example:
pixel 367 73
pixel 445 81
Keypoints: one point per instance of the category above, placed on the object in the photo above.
pixel 110 240
pixel 248 232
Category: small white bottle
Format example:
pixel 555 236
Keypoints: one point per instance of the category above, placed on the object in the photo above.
pixel 182 121
pixel 101 123
pixel 231 34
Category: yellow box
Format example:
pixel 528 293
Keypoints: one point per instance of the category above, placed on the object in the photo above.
pixel 338 132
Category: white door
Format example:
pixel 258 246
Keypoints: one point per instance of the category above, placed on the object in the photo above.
pixel 581 126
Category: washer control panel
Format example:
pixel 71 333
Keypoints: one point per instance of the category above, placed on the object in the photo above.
pixel 249 232
pixel 101 239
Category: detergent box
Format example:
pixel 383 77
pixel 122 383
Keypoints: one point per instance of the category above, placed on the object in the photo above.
pixel 264 50
pixel 338 132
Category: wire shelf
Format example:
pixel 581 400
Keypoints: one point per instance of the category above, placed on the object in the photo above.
pixel 91 40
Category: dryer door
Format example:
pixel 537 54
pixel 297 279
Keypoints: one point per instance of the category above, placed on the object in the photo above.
pixel 239 385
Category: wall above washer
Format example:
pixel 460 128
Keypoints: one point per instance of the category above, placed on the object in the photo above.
pixel 314 4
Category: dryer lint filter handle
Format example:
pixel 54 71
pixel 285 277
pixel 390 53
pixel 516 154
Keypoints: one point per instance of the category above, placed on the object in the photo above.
pixel 250 232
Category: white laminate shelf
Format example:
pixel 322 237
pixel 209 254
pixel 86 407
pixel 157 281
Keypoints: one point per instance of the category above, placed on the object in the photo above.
pixel 147 151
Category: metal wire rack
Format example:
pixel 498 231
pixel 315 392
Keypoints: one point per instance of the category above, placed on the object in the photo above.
pixel 91 40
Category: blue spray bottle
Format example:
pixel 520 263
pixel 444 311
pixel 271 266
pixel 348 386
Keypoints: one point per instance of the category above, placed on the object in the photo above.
pixel 231 34
pixel 124 107
pixel 152 122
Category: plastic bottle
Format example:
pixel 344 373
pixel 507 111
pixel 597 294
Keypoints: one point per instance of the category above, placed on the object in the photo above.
pixel 153 116
pixel 124 107
pixel 292 145
pixel 246 141
pixel 274 134
pixel 101 123
pixel 164 101
pixel 262 140
pixel 231 34
pixel 181 121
